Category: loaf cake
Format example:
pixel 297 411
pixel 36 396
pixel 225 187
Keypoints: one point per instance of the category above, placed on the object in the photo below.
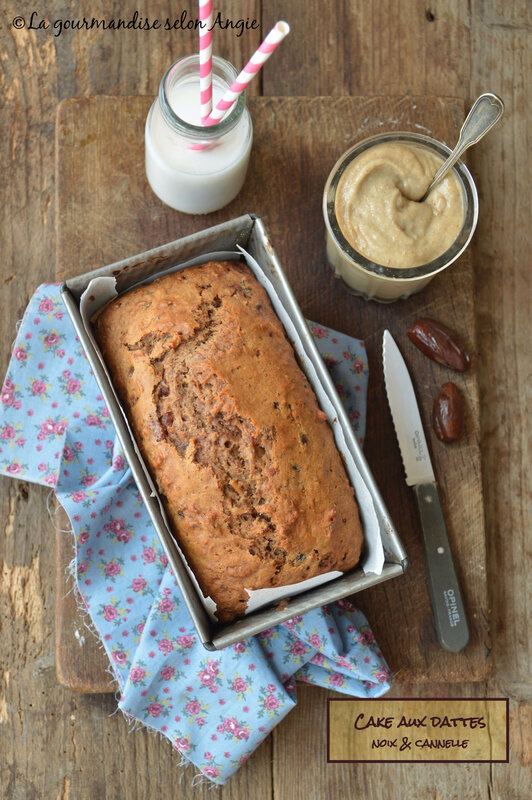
pixel 244 459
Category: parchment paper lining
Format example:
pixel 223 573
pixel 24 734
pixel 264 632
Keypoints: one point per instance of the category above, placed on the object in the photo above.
pixel 103 289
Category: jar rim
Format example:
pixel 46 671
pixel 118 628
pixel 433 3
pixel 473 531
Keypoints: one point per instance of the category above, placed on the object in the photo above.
pixel 222 68
pixel 405 273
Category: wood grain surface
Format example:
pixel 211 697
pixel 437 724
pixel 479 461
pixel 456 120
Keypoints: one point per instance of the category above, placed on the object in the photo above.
pixel 56 744
pixel 93 180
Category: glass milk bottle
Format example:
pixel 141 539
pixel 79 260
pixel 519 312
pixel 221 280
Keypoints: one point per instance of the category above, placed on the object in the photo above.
pixel 193 168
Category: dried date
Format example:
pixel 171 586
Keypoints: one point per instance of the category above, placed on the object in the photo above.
pixel 448 413
pixel 440 343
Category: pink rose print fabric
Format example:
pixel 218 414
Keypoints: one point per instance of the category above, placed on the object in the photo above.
pixel 345 358
pixel 214 707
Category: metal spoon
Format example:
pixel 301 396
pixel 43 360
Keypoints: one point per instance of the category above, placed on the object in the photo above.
pixel 486 111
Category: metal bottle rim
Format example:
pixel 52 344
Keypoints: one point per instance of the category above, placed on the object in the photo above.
pixel 200 132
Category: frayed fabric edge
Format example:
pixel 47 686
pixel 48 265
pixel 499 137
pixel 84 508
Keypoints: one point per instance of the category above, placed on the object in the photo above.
pixel 70 571
pixel 133 723
pixel 182 762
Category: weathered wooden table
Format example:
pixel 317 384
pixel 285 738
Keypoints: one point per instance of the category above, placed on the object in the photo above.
pixel 54 743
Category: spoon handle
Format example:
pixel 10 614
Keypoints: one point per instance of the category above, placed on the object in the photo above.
pixel 485 112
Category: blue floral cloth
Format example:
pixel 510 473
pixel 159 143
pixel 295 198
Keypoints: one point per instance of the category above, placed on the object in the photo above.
pixel 215 708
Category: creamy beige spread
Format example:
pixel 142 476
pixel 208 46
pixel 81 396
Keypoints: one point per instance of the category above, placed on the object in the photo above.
pixel 378 210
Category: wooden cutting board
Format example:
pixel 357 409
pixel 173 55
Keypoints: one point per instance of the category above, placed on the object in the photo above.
pixel 105 211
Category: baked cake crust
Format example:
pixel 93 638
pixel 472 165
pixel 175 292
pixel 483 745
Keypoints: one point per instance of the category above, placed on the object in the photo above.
pixel 231 431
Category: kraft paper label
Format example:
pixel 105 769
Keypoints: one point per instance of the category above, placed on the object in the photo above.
pixel 421 729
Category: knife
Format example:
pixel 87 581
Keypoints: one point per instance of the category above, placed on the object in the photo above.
pixel 446 597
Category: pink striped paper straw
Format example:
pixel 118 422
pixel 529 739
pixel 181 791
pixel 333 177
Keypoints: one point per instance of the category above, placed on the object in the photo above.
pixel 259 57
pixel 205 58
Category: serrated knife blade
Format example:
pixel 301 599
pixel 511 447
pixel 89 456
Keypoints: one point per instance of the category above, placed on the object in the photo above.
pixel 445 594
pixel 405 415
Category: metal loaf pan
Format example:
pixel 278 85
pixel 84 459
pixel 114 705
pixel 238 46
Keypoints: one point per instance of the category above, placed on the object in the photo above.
pixel 248 232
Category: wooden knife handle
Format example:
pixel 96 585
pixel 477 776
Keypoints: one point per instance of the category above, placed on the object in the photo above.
pixel 446 597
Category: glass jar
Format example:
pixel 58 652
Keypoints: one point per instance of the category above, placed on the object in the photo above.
pixel 384 283
pixel 190 167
